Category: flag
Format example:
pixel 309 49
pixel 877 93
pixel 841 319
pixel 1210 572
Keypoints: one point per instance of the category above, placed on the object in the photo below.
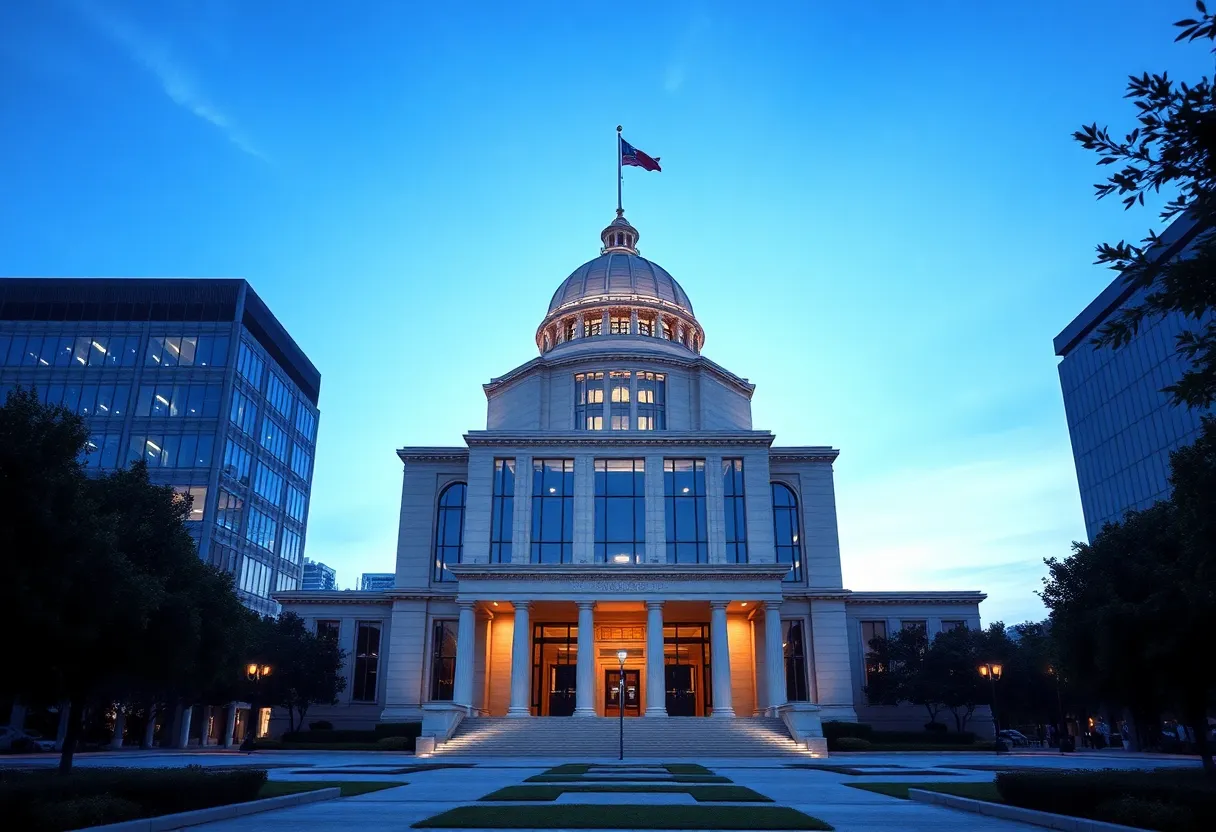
pixel 630 155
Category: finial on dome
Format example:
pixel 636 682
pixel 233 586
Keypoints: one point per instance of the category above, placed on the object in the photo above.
pixel 619 236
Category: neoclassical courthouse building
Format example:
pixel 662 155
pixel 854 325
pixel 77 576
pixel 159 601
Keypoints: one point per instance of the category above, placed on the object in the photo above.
pixel 619 499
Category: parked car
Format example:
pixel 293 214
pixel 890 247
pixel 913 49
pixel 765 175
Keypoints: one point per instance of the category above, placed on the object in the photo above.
pixel 23 742
pixel 1014 738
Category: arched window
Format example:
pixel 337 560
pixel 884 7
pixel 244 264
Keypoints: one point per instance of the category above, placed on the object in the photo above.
pixel 449 529
pixel 785 530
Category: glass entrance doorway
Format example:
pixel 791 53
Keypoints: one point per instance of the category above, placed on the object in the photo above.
pixel 612 692
pixel 686 670
pixel 554 669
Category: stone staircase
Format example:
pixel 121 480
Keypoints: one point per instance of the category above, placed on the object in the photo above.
pixel 673 737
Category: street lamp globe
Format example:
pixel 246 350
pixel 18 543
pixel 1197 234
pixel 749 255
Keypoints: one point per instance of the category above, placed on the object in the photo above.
pixel 983 670
pixel 252 670
pixel 996 672
pixel 621 655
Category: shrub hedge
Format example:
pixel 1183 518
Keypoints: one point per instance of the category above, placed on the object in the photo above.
pixel 409 730
pixel 321 725
pixel 850 744
pixel 1169 799
pixel 43 801
pixel 395 744
pixel 836 731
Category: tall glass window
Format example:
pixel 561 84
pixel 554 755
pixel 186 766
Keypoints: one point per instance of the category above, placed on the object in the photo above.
pixel 589 401
pixel 274 439
pixel 620 510
pixel 552 510
pixel 261 529
pixel 652 401
pixel 618 384
pixel 329 628
pixel 296 503
pixel 645 326
pixel 871 630
pixel 367 661
pixel 502 511
pixel 228 510
pixel 243 412
pixel 785 530
pixel 237 461
pixel 794 646
pixel 684 496
pixel 249 365
pixel 592 325
pixel 306 423
pixel 449 529
pixel 290 548
pixel 618 325
pixel 279 395
pixel 443 661
pixel 267 484
pixel 736 515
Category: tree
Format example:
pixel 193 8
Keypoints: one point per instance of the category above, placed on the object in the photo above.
pixel 897 671
pixel 1171 147
pixel 305 669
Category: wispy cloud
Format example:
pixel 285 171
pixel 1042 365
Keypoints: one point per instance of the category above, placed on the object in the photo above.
pixel 984 521
pixel 689 46
pixel 156 56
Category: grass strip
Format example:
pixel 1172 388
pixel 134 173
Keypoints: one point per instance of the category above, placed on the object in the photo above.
pixel 350 788
pixel 921 746
pixel 702 794
pixel 686 768
pixel 569 768
pixel 975 791
pixel 862 771
pixel 587 816
pixel 381 769
pixel 641 778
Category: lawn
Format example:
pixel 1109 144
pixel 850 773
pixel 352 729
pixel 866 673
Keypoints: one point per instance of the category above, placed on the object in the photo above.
pixel 641 778
pixel 702 794
pixel 885 771
pixel 975 791
pixel 350 788
pixel 576 816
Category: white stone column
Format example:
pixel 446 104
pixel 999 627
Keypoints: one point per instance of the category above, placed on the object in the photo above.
pixel 720 653
pixel 16 717
pixel 583 548
pixel 633 321
pixel 774 654
pixel 183 726
pixel 150 729
pixel 521 662
pixel 120 725
pixel 466 642
pixel 715 510
pixel 229 725
pixel 656 511
pixel 521 522
pixel 585 691
pixel 579 323
pixel 604 324
pixel 656 677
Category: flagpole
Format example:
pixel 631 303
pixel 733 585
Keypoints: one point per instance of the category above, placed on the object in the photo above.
pixel 620 212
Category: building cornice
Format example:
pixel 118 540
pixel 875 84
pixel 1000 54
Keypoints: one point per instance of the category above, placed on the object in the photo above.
pixel 433 454
pixel 619 439
pixel 332 596
pixel 804 453
pixel 600 571
pixel 948 597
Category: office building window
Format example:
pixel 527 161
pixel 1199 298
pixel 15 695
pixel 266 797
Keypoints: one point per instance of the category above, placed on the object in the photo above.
pixel 255 577
pixel 618 385
pixel 286 583
pixel 261 529
pixel 250 366
pixel 228 510
pixel 684 498
pixel 171 450
pixel 785 530
pixel 552 510
pixel 589 401
pixel 794 646
pixel 243 412
pixel 443 661
pixel 502 511
pixel 279 396
pixel 99 401
pixel 297 504
pixel 620 510
pixel 268 485
pixel 449 529
pixel 101 450
pixel 871 630
pixel 289 549
pixel 306 423
pixel 21 349
pixel 736 515
pixel 197 497
pixel 329 628
pixel 237 462
pixel 301 461
pixel 201 350
pixel 652 401
pixel 274 439
pixel 367 661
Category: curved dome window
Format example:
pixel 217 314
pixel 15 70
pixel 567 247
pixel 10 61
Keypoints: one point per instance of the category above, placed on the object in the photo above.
pixel 785 530
pixel 618 325
pixel 592 326
pixel 645 326
pixel 449 529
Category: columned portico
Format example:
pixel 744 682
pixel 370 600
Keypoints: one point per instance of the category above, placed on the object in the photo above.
pixel 656 684
pixel 585 692
pixel 462 694
pixel 521 662
pixel 721 659
pixel 774 655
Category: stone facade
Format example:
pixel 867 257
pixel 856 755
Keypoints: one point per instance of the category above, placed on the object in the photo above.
pixel 721 603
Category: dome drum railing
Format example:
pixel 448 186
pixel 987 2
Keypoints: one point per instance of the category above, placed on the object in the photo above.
pixel 611 320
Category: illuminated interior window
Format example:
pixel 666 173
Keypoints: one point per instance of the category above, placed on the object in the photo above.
pixel 618 325
pixel 618 383
pixel 589 401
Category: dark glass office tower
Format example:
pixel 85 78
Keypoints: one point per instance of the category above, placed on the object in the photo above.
pixel 197 378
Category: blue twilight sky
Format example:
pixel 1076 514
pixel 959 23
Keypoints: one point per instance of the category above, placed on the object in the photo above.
pixel 875 207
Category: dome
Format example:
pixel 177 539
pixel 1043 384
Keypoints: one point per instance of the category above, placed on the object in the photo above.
pixel 620 274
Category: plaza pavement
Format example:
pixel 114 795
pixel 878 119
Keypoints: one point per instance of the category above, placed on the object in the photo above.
pixel 423 794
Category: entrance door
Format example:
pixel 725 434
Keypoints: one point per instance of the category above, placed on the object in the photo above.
pixel 563 679
pixel 681 689
pixel 612 692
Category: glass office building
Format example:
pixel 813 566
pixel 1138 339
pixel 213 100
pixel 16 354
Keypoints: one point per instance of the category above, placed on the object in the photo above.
pixel 1122 426
pixel 318 576
pixel 198 379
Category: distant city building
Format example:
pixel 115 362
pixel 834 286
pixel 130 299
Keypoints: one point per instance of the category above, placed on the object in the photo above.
pixel 318 576
pixel 198 379
pixel 376 581
pixel 1122 426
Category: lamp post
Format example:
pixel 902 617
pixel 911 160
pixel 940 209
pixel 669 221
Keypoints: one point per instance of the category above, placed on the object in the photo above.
pixel 621 655
pixel 255 673
pixel 1061 727
pixel 992 672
